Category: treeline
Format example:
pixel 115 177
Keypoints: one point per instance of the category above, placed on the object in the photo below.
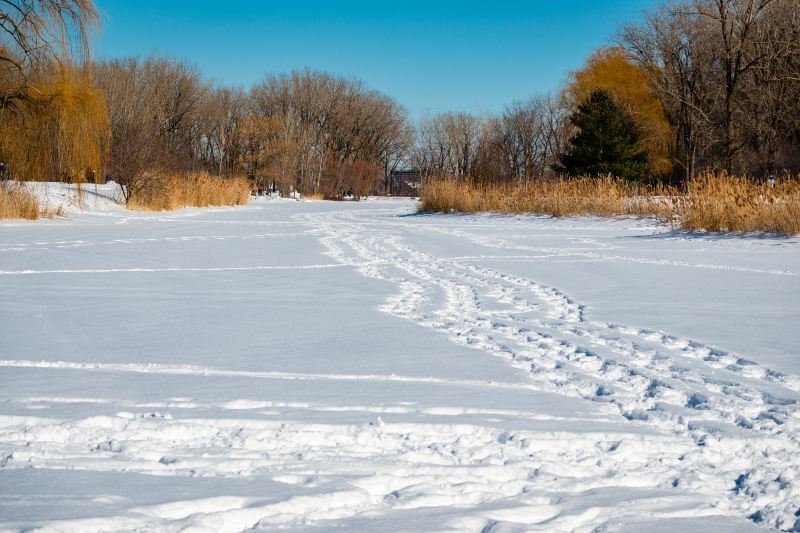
pixel 307 131
pixel 524 142
pixel 136 120
pixel 727 74
pixel 707 85
pixel 144 122
pixel 697 85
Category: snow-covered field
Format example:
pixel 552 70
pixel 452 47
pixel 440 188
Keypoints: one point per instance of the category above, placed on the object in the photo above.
pixel 354 366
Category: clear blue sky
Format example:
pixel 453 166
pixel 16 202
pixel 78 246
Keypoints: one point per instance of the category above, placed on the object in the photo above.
pixel 430 55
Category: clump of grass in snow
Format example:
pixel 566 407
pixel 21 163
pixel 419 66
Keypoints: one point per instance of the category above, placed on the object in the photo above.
pixel 18 202
pixel 167 192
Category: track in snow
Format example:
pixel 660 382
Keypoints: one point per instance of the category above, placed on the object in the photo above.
pixel 741 417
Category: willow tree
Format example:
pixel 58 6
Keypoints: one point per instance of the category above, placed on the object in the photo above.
pixel 61 133
pixel 54 120
pixel 35 35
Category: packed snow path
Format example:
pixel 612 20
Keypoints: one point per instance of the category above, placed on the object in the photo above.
pixel 322 365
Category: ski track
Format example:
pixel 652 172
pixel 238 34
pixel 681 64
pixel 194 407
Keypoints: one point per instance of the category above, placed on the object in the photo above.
pixel 167 269
pixel 52 245
pixel 192 370
pixel 717 424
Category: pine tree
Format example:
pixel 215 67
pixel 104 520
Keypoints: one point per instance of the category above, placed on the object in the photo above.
pixel 608 141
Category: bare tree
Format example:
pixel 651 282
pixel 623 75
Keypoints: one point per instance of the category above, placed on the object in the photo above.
pixel 448 144
pixel 152 106
pixel 523 143
pixel 726 71
pixel 671 48
pixel 330 126
pixel 733 32
pixel 772 92
pixel 534 134
pixel 221 112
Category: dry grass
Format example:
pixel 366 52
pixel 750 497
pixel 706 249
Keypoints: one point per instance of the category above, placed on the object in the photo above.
pixel 167 192
pixel 316 196
pixel 711 202
pixel 723 203
pixel 18 202
pixel 603 197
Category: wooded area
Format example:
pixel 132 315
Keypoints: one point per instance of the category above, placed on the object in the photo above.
pixel 708 84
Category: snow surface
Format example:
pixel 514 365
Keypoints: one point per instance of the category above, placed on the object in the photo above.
pixel 356 366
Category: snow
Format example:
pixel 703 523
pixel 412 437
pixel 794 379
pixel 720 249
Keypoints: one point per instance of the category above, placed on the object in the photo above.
pixel 353 365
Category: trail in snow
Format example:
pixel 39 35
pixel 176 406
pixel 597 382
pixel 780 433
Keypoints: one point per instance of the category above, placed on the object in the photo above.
pixel 742 417
pixel 411 466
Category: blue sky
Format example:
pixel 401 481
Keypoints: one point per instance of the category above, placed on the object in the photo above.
pixel 431 56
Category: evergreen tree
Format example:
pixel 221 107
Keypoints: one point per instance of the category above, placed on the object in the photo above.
pixel 607 142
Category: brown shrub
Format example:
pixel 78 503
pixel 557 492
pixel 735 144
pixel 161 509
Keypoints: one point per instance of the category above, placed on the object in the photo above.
pixel 167 192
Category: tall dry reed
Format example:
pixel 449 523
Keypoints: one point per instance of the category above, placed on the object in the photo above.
pixel 167 192
pixel 603 197
pixel 711 202
pixel 724 203
pixel 18 202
